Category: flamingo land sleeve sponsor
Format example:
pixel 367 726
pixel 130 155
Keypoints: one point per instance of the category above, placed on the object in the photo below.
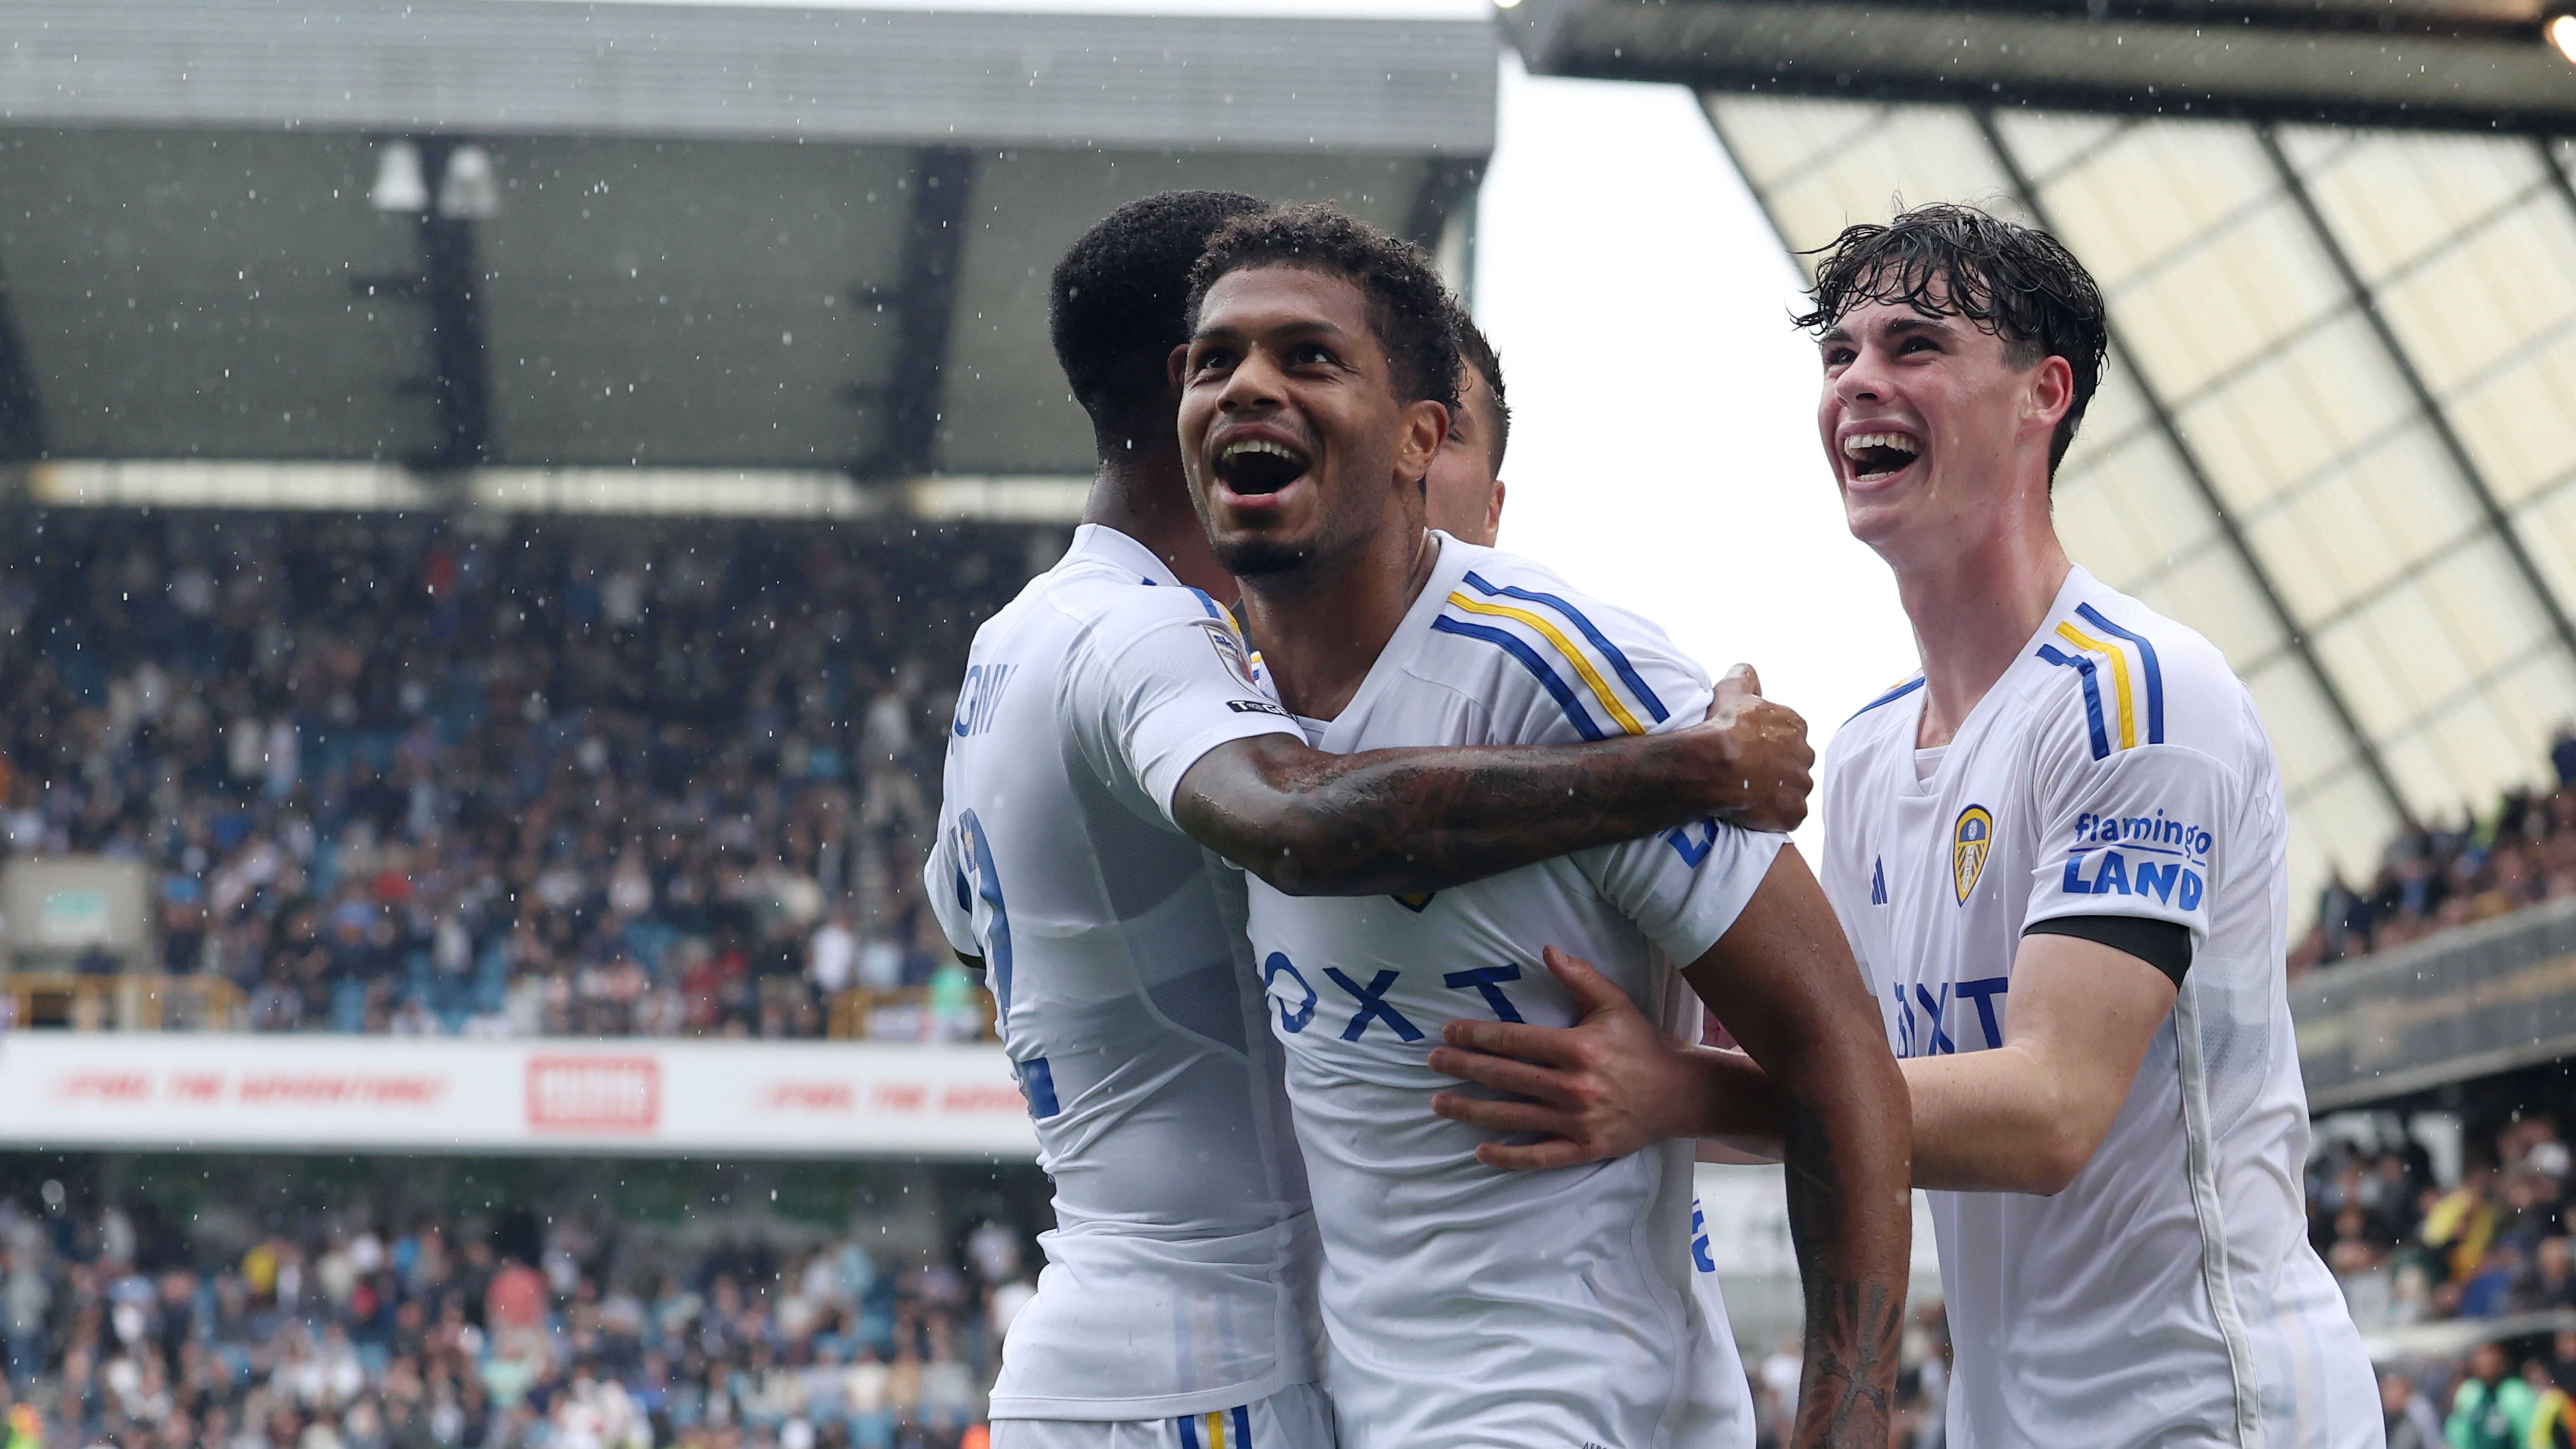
pixel 2151 856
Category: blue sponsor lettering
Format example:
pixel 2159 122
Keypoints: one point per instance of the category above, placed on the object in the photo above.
pixel 1373 1005
pixel 1933 1010
pixel 1700 1258
pixel 2171 836
pixel 1487 982
pixel 2170 881
pixel 979 699
pixel 1692 851
pixel 1984 992
pixel 1925 1027
pixel 1277 966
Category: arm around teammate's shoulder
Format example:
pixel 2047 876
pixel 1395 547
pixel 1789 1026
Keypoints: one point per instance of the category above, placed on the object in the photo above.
pixel 1398 821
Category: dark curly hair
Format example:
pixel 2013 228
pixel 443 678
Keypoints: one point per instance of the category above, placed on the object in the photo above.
pixel 1119 303
pixel 1408 306
pixel 2016 282
pixel 1474 351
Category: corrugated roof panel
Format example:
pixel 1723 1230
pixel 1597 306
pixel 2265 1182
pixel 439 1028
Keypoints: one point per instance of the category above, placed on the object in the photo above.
pixel 2210 590
pixel 2394 197
pixel 2505 285
pixel 2132 511
pixel 2354 527
pixel 2153 192
pixel 2218 304
pixel 2047 142
pixel 2322 397
pixel 2519 421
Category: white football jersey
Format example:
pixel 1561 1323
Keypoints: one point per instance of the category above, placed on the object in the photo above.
pixel 1466 1306
pixel 2168 1296
pixel 1180 1272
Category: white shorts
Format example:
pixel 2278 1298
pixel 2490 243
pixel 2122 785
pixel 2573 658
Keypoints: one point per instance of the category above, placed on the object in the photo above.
pixel 1297 1417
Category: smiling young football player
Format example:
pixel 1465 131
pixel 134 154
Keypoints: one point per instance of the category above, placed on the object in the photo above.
pixel 2059 853
pixel 1467 1308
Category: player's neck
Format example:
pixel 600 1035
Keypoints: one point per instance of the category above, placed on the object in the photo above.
pixel 1320 628
pixel 1145 496
pixel 1973 607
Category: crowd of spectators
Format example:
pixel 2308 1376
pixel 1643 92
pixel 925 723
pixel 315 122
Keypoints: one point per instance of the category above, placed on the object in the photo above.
pixel 448 1335
pixel 2493 1246
pixel 505 776
pixel 2435 877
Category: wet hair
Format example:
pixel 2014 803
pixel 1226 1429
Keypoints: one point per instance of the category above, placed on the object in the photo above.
pixel 1474 351
pixel 2016 282
pixel 1408 306
pixel 1118 304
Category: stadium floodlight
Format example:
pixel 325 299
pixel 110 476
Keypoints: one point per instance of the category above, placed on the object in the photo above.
pixel 469 191
pixel 399 186
pixel 2562 34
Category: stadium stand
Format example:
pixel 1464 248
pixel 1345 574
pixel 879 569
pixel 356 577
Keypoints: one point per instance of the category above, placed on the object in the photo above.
pixel 238 1328
pixel 2434 878
pixel 504 777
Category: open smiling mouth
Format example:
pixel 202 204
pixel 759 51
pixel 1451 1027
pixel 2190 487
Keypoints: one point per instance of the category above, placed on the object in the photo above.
pixel 1259 467
pixel 1875 457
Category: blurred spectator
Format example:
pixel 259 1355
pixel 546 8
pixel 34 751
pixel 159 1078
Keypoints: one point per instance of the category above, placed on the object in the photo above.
pixel 2492 1407
pixel 2410 1420
pixel 2437 877
pixel 395 1342
pixel 503 776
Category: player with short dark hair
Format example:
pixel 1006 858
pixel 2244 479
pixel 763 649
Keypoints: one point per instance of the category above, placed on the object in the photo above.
pixel 2060 854
pixel 1466 1307
pixel 1108 733
pixel 1466 483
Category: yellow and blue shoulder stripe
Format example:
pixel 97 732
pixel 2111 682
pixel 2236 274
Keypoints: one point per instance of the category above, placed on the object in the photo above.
pixel 2099 647
pixel 1223 1429
pixel 1589 677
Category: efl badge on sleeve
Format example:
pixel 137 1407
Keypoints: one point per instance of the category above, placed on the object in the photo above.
pixel 1968 841
pixel 1229 652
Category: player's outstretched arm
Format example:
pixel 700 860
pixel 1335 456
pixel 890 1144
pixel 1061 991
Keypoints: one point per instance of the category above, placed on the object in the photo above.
pixel 1399 821
pixel 2028 1115
pixel 2024 1117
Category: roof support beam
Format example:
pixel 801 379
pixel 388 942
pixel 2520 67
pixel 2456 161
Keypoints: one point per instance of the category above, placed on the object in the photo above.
pixel 460 377
pixel 2472 477
pixel 2363 749
pixel 22 419
pixel 2557 170
pixel 925 306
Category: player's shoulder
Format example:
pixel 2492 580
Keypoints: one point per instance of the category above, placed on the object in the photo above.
pixel 2126 676
pixel 1606 669
pixel 1885 723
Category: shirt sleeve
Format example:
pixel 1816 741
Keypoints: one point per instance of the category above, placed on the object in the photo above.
pixel 943 881
pixel 1685 887
pixel 1156 686
pixel 2134 831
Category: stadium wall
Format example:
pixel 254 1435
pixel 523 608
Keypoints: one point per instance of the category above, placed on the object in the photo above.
pixel 628 1098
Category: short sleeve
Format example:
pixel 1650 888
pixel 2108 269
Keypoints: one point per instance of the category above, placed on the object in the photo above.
pixel 943 882
pixel 2134 831
pixel 1622 674
pixel 1156 686
pixel 1685 887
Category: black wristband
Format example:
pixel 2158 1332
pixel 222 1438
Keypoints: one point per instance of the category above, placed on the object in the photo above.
pixel 2161 944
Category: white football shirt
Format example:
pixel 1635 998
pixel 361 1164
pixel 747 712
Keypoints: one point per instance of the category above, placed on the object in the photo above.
pixel 2168 1296
pixel 1180 1272
pixel 1466 1306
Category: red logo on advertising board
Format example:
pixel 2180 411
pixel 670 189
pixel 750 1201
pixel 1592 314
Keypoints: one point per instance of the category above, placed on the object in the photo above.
pixel 594 1094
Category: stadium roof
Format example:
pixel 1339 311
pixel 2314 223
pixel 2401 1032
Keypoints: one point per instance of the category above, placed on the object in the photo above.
pixel 2469 64
pixel 713 237
pixel 2338 433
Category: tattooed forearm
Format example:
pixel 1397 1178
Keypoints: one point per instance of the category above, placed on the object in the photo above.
pixel 1852 1240
pixel 1399 821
